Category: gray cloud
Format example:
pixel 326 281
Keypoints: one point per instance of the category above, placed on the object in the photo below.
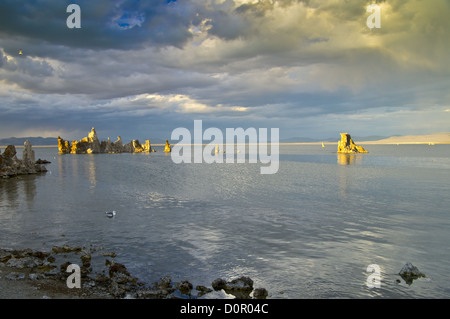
pixel 291 64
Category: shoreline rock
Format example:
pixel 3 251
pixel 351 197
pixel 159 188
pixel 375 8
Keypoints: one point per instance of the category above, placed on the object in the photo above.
pixel 11 166
pixel 347 146
pixel 240 287
pixel 409 273
pixel 92 145
pixel 48 271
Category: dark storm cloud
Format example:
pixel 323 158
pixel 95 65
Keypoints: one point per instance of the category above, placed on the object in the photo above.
pixel 105 24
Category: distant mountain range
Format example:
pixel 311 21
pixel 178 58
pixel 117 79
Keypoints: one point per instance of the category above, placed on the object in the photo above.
pixel 37 141
pixel 443 137
pixel 330 139
pixel 436 137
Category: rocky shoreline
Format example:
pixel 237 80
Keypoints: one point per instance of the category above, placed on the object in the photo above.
pixel 31 274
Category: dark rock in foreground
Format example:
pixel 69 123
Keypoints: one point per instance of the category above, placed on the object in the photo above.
pixel 260 293
pixel 409 273
pixel 11 166
pixel 241 288
pixel 41 161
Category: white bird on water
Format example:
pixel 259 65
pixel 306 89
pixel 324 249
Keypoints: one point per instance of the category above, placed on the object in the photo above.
pixel 111 214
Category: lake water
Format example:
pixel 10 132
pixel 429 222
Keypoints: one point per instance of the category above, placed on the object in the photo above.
pixel 308 231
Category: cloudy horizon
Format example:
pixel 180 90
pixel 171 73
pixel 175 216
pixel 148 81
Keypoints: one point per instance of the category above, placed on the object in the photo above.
pixel 141 69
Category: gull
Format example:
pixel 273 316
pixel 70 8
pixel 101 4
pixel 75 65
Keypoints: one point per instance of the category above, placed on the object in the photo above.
pixel 111 214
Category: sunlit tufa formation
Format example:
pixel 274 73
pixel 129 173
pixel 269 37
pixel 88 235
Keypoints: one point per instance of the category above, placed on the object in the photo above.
pixel 167 148
pixel 92 145
pixel 347 146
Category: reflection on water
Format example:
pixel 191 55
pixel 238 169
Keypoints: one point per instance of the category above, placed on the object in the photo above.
pixel 29 188
pixel 77 167
pixel 343 182
pixel 348 159
pixel 18 190
pixel 344 178
pixel 92 171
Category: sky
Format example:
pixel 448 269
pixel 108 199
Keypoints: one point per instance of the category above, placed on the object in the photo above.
pixel 141 69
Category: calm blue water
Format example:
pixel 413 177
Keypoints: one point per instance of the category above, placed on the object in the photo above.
pixel 308 231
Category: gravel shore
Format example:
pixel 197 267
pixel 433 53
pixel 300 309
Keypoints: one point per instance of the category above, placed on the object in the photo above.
pixel 29 274
pixel 14 286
